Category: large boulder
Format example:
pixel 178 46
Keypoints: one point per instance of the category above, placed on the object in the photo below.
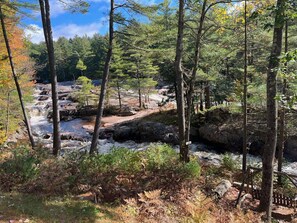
pixel 291 148
pixel 227 137
pixel 123 133
pixel 146 132
pixel 224 129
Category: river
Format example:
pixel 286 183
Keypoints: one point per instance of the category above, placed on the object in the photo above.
pixel 42 130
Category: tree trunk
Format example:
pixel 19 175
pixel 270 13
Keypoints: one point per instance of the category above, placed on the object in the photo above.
pixel 47 29
pixel 201 102
pixel 270 147
pixel 139 91
pixel 190 89
pixel 244 148
pixel 282 119
pixel 207 96
pixel 7 113
pixel 26 120
pixel 119 94
pixel 104 81
pixel 180 84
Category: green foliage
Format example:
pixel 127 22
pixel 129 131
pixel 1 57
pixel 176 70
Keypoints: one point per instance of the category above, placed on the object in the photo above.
pixel 119 160
pixel 123 160
pixel 21 166
pixel 83 94
pixel 191 169
pixel 159 156
pixel 229 163
pixel 80 65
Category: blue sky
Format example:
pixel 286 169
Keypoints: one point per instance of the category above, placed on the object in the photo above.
pixel 68 25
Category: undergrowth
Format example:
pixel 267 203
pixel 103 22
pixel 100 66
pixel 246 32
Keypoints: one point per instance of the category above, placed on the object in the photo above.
pixel 139 186
pixel 120 174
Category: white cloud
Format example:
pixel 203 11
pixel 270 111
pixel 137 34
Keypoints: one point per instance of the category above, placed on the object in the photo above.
pixel 57 8
pixel 70 30
pixel 35 32
pixel 144 2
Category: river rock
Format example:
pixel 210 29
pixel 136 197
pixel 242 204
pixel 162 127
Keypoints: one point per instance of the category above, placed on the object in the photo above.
pixel 228 137
pixel 73 136
pixel 43 98
pixel 86 111
pixel 291 148
pixel 127 111
pixel 145 131
pixel 45 92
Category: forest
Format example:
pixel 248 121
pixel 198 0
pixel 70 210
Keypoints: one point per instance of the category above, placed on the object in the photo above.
pixel 180 111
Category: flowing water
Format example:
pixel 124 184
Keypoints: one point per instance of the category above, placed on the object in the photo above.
pixel 42 130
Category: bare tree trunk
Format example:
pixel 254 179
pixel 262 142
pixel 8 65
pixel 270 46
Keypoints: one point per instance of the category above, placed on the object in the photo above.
pixel 26 120
pixel 180 84
pixel 207 96
pixel 104 81
pixel 119 94
pixel 244 148
pixel 270 147
pixel 139 91
pixel 282 120
pixel 47 29
pixel 201 102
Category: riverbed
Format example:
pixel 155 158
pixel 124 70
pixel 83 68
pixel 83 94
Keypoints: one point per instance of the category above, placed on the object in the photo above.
pixel 80 128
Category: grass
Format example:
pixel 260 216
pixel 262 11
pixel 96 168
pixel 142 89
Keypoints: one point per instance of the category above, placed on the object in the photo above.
pixel 16 206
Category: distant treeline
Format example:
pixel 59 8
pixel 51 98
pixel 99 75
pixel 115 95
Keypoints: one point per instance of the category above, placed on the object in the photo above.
pixel 69 54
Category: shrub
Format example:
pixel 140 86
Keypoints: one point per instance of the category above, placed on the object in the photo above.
pixel 229 163
pixel 159 156
pixel 20 167
pixel 119 159
pixel 191 169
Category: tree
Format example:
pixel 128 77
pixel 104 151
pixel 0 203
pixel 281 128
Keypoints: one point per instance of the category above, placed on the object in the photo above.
pixel 15 77
pixel 244 150
pixel 180 84
pixel 142 70
pixel 270 147
pixel 118 78
pixel 104 80
pixel 185 110
pixel 81 66
pixel 86 84
pixel 47 29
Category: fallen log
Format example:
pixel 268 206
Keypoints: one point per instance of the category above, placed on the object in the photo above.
pixel 222 188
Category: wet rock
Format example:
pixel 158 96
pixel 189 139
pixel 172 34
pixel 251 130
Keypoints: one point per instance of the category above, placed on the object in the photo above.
pixel 227 137
pixel 43 98
pixel 73 136
pixel 124 133
pixel 45 92
pixel 47 136
pixel 291 148
pixel 146 132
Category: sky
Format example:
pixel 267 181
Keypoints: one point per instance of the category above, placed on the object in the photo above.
pixel 68 25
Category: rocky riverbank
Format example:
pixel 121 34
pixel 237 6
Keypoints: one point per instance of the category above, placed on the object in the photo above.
pixel 218 127
pixel 224 129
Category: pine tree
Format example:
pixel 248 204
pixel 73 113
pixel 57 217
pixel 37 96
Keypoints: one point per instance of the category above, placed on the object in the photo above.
pixel 118 77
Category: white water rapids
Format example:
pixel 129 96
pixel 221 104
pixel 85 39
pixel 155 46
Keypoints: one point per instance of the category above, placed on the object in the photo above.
pixel 42 130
